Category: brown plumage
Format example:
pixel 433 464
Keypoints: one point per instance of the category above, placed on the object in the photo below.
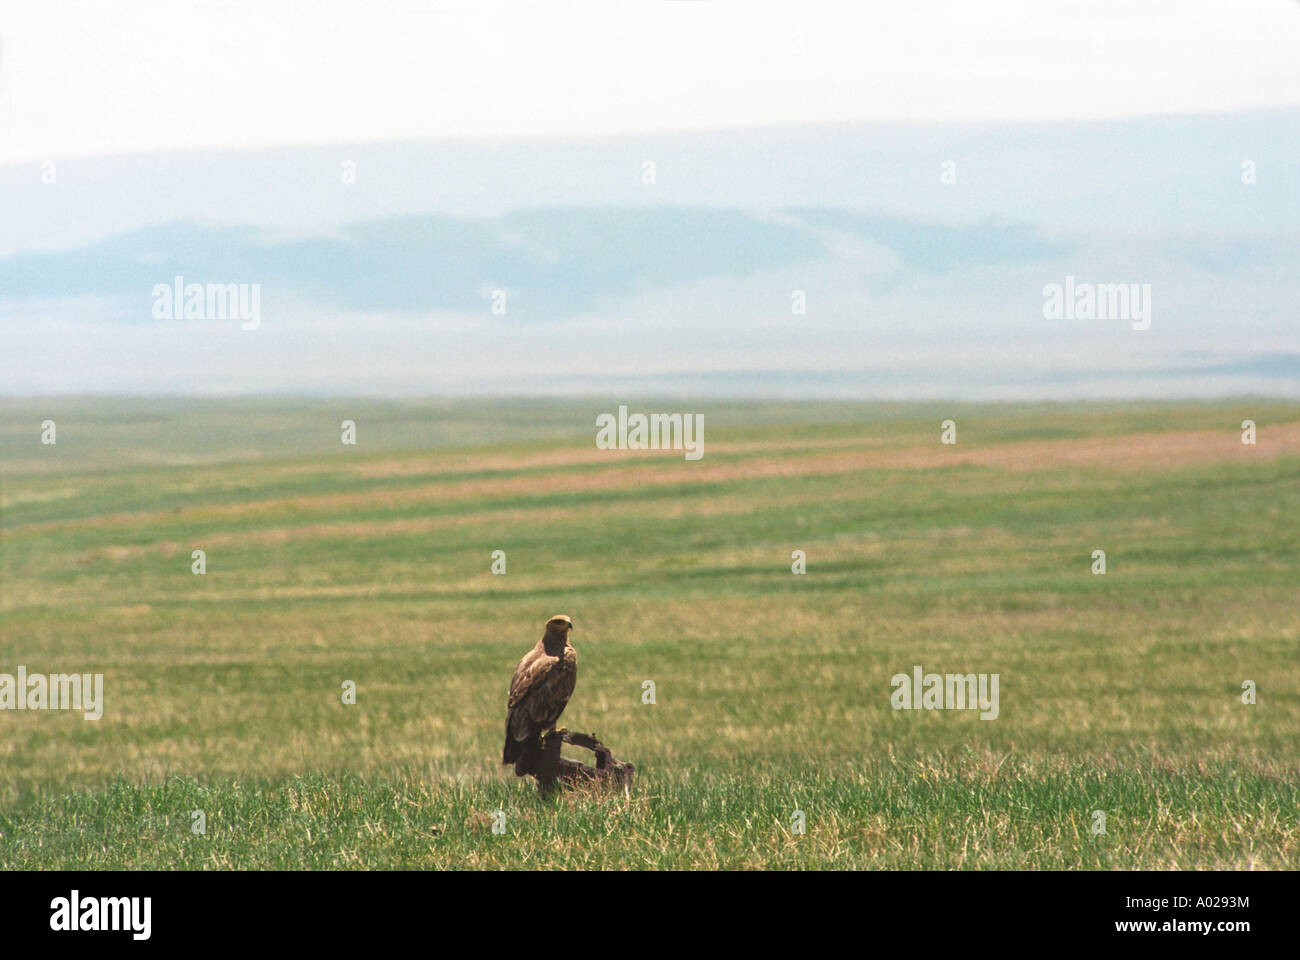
pixel 541 688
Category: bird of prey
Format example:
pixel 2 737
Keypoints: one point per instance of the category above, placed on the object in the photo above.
pixel 541 688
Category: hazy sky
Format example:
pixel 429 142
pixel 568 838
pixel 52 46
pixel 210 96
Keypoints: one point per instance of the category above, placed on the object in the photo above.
pixel 914 175
pixel 86 78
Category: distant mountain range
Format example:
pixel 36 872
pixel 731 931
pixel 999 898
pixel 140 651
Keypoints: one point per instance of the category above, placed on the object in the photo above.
pixel 904 261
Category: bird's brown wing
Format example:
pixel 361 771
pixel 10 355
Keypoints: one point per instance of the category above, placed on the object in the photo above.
pixel 540 691
pixel 531 669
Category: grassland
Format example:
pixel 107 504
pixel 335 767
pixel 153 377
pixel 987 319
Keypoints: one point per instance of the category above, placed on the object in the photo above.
pixel 371 563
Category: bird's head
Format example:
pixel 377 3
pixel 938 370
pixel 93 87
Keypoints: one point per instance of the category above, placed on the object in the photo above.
pixel 559 625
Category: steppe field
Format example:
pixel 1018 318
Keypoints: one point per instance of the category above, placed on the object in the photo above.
pixel 371 563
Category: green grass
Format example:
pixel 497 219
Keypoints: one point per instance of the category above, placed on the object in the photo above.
pixel 960 813
pixel 371 564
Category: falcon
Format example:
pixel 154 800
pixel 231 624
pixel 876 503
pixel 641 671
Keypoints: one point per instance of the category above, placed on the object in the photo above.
pixel 539 692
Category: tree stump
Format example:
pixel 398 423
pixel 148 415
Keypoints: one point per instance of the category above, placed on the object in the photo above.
pixel 556 771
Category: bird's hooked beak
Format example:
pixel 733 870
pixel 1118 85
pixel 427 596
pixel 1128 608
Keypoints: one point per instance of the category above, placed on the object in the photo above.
pixel 560 624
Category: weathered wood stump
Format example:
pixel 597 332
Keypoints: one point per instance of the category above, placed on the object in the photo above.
pixel 560 771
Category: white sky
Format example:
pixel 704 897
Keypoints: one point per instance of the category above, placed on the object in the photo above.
pixel 85 78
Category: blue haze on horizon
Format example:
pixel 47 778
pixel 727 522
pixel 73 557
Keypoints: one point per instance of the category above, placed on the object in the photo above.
pixel 914 288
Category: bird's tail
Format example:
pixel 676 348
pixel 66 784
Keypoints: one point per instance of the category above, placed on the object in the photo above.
pixel 529 756
pixel 511 751
pixel 526 755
